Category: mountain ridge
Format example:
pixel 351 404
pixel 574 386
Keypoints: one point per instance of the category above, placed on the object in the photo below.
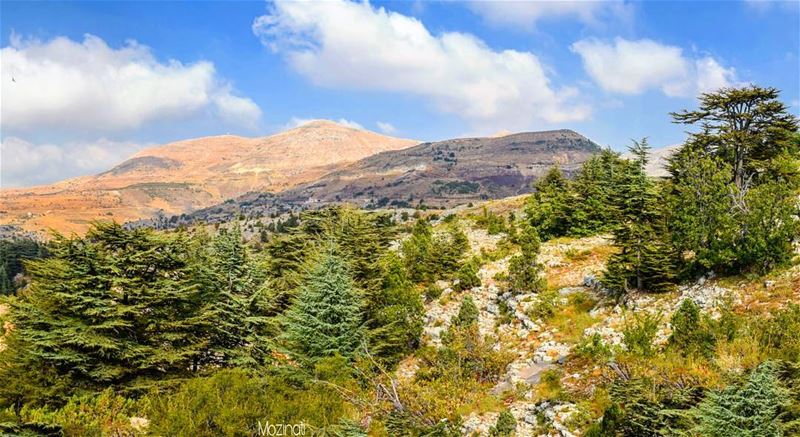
pixel 438 174
pixel 189 174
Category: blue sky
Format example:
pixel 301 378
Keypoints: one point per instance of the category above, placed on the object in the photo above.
pixel 95 81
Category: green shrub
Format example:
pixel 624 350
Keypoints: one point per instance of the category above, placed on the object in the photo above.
pixel 432 292
pixel 467 313
pixel 639 333
pixel 467 277
pixel 505 426
pixel 544 306
pixel 691 331
pixel 593 348
pixel 233 402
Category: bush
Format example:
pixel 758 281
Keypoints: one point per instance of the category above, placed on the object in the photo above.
pixel 639 333
pixel 544 306
pixel 505 426
pixel 691 331
pixel 232 402
pixel 467 313
pixel 467 276
pixel 432 292
pixel 593 348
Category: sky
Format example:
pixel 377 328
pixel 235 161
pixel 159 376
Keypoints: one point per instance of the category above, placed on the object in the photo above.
pixel 87 84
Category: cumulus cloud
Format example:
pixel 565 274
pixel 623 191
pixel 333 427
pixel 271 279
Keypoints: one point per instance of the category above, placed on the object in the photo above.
pixel 24 163
pixel 632 67
pixel 386 128
pixel 86 85
pixel 341 44
pixel 297 122
pixel 528 13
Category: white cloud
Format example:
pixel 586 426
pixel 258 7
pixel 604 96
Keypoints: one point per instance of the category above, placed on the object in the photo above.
pixel 386 127
pixel 23 163
pixel 632 67
pixel 298 121
pixel 527 13
pixel 70 85
pixel 341 44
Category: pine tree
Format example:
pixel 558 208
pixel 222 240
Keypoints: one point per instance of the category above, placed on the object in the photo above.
pixel 548 208
pixel 326 317
pixel 524 270
pixel 645 260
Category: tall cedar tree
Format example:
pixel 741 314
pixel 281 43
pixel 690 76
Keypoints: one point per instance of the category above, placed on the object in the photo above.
pixel 326 318
pixel 734 183
pixel 548 208
pixel 592 194
pixel 745 127
pixel 236 287
pixel 646 260
pixel 394 312
pixel 116 307
pixel 524 270
pixel 363 238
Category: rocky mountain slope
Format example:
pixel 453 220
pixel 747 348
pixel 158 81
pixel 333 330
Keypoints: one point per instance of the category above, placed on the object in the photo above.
pixel 186 175
pixel 443 173
pixel 550 387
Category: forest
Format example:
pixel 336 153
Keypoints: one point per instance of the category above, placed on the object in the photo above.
pixel 208 330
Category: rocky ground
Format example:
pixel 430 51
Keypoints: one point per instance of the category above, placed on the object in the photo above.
pixel 571 268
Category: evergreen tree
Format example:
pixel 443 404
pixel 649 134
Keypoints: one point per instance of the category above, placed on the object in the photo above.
pixel 646 258
pixel 467 313
pixel 524 270
pixel 326 318
pixel 690 330
pixel 418 252
pixel 548 208
pixel 236 288
pixel 394 312
pixel 468 276
pixel 745 127
pixel 754 409
pixel 592 193
pixel 116 307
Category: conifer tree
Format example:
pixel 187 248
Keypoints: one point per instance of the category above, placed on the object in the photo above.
pixel 114 307
pixel 237 290
pixel 418 252
pixel 645 260
pixel 754 409
pixel 326 317
pixel 548 208
pixel 467 313
pixel 592 192
pixel 468 276
pixel 746 127
pixel 394 312
pixel 524 270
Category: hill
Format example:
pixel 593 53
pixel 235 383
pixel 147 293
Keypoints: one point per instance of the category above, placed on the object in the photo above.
pixel 186 175
pixel 439 174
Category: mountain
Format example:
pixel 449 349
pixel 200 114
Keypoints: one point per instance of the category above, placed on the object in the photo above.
pixel 186 175
pixel 443 173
